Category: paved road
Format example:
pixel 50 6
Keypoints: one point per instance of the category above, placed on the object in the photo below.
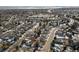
pixel 21 38
pixel 51 35
pixel 71 21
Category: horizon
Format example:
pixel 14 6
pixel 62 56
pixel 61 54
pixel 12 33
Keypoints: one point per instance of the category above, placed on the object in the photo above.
pixel 36 7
